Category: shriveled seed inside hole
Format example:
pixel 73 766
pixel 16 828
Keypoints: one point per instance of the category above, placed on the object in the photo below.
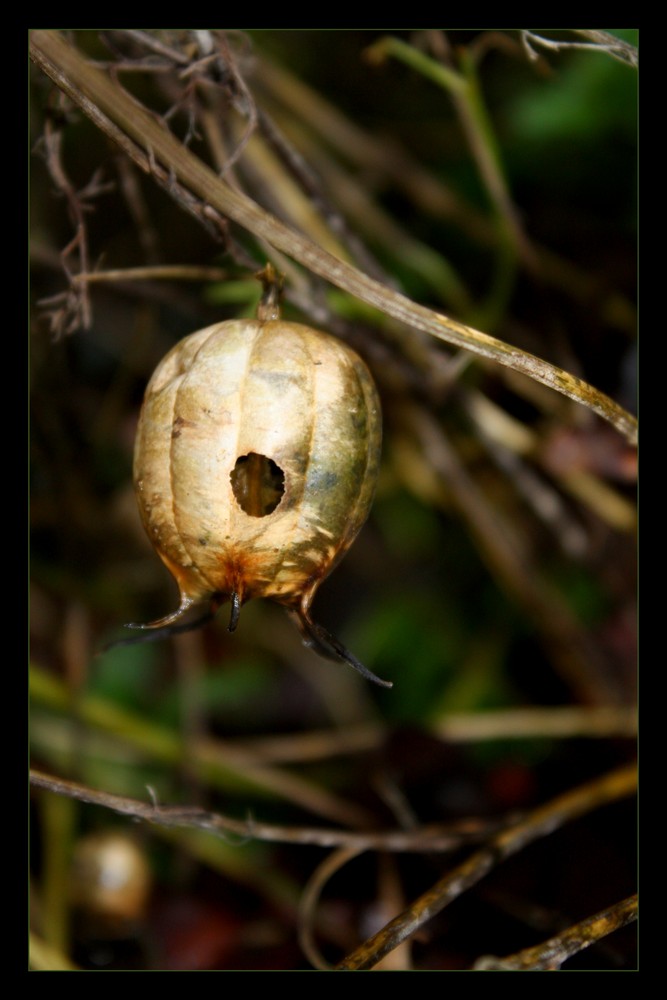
pixel 258 484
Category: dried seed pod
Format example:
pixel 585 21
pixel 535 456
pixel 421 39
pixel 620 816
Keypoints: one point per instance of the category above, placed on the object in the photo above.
pixel 255 464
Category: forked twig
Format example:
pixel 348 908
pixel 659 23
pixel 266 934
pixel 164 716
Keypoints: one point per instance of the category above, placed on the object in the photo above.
pixel 73 306
pixel 596 41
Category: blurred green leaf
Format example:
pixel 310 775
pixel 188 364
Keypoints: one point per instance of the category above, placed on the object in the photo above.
pixel 417 644
pixel 587 97
pixel 225 693
pixel 125 675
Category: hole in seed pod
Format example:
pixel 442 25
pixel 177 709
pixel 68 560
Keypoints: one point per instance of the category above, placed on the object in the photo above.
pixel 258 484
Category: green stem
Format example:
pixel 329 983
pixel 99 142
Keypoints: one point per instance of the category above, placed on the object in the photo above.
pixel 441 75
pixel 467 98
pixel 486 151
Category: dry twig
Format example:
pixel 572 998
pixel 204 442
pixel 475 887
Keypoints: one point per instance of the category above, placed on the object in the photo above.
pixel 162 272
pixel 570 722
pixel 596 41
pixel 541 822
pixel 506 552
pixel 551 954
pixel 310 898
pixel 159 152
pixel 428 838
pixel 72 308
pixel 384 159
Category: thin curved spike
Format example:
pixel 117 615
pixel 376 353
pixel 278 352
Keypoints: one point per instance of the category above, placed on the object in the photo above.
pixel 185 605
pixel 328 646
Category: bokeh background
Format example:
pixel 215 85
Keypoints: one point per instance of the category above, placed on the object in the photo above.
pixel 495 575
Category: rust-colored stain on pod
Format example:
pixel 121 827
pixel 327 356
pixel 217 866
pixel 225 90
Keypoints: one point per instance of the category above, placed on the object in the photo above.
pixel 255 465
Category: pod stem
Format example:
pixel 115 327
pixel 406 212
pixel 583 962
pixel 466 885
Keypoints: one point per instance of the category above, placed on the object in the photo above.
pixel 272 283
pixel 328 646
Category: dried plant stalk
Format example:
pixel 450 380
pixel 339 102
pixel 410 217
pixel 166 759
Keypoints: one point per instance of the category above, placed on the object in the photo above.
pixel 159 152
pixel 539 823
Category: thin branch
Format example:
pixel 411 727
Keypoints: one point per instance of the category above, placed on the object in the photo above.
pixel 136 204
pixel 463 88
pixel 616 47
pixel 244 99
pixel 543 499
pixel 358 203
pixel 551 723
pixel 507 439
pixel 605 722
pixel 431 838
pixel 75 307
pixel 162 272
pixel 550 955
pixel 158 151
pixel 541 822
pixel 311 897
pixel 215 762
pixel 465 93
pixel 148 41
pixel 390 162
pixel 369 154
pixel 427 456
pixel 310 183
pixel 598 41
